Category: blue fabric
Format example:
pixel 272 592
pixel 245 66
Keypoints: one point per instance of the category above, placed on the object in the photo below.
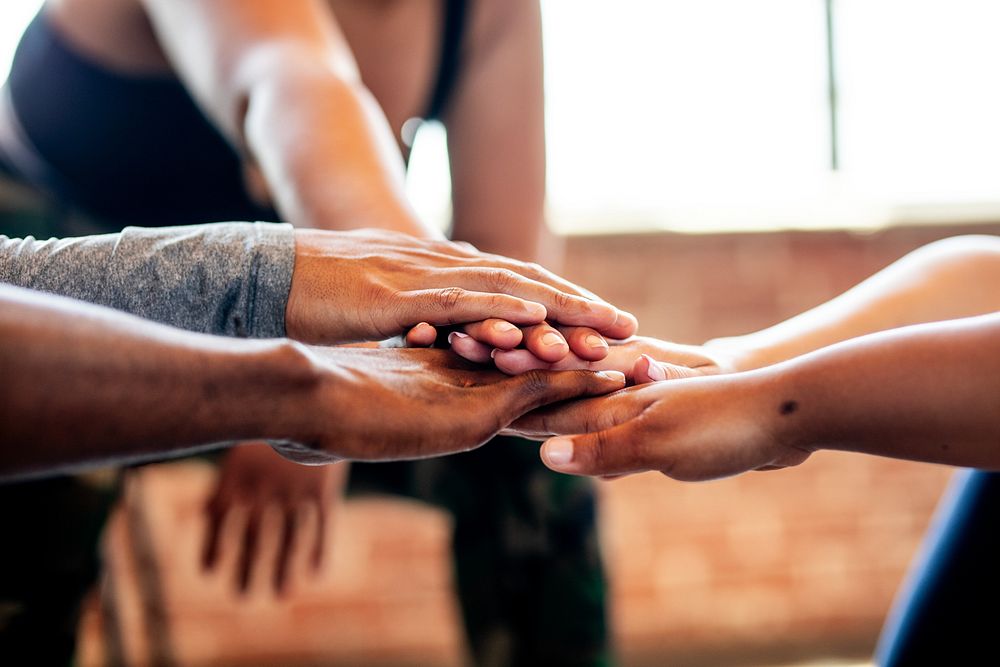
pixel 126 149
pixel 947 611
pixel 137 150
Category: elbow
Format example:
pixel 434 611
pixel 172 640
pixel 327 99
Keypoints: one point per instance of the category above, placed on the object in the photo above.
pixel 285 75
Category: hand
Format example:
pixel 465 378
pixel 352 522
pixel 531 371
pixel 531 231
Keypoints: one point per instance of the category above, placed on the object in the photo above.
pixel 690 429
pixel 373 285
pixel 633 357
pixel 390 404
pixel 253 480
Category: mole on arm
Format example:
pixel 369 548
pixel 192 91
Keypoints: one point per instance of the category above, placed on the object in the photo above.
pixel 788 407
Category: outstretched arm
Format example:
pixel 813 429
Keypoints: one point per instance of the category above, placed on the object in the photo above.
pixel 83 384
pixel 927 392
pixel 948 279
pixel 264 280
pixel 280 81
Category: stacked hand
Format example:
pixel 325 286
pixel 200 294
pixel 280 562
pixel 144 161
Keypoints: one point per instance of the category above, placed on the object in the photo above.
pixel 688 415
pixel 690 429
pixel 371 285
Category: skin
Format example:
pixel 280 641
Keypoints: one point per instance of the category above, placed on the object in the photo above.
pixel 67 403
pixel 368 285
pixel 268 483
pixel 903 365
pixel 316 110
pixel 315 94
pixel 709 427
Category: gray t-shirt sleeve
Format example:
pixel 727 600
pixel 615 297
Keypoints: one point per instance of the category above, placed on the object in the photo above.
pixel 228 278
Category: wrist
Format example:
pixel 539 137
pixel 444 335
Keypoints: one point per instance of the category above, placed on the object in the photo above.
pixel 733 354
pixel 789 411
pixel 278 384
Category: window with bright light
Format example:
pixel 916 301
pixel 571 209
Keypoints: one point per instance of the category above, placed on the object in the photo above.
pixel 716 114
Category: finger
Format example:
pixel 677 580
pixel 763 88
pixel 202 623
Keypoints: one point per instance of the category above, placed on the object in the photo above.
pixel 456 305
pixel 534 389
pixel 584 416
pixel 516 362
pixel 647 369
pixel 232 531
pixel 586 343
pixel 625 325
pixel 214 515
pixel 466 246
pixel 495 333
pixel 290 527
pixel 306 547
pixel 263 566
pixel 545 342
pixel 562 306
pixel 468 348
pixel 248 549
pixel 321 535
pixel 614 451
pixel 538 272
pixel 422 335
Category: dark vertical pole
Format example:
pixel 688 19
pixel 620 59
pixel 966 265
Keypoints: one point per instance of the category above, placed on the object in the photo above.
pixel 831 87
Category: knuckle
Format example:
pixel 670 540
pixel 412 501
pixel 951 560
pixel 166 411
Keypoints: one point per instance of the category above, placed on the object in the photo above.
pixel 536 270
pixel 449 297
pixel 535 383
pixel 562 300
pixel 599 450
pixel 503 280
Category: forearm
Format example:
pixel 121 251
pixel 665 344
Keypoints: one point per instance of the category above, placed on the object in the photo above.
pixel 326 151
pixel 280 81
pixel 227 278
pixel 83 384
pixel 496 136
pixel 944 280
pixel 929 392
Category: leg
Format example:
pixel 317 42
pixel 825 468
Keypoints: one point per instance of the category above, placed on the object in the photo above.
pixel 530 579
pixel 934 618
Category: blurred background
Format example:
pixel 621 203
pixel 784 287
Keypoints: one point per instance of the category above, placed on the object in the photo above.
pixel 716 166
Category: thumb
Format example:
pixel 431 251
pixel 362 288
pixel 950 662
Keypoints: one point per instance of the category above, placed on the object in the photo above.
pixel 646 369
pixel 614 451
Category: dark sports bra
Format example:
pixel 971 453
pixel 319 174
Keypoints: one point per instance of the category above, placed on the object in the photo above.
pixel 137 149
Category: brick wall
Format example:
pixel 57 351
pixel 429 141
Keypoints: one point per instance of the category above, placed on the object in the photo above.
pixel 800 563
pixel 796 564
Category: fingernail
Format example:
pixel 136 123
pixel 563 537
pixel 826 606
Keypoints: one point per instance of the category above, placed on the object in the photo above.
pixel 655 372
pixel 536 310
pixel 559 451
pixel 552 339
pixel 628 319
pixel 617 376
pixel 503 327
pixel 596 342
pixel 456 335
pixel 493 354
